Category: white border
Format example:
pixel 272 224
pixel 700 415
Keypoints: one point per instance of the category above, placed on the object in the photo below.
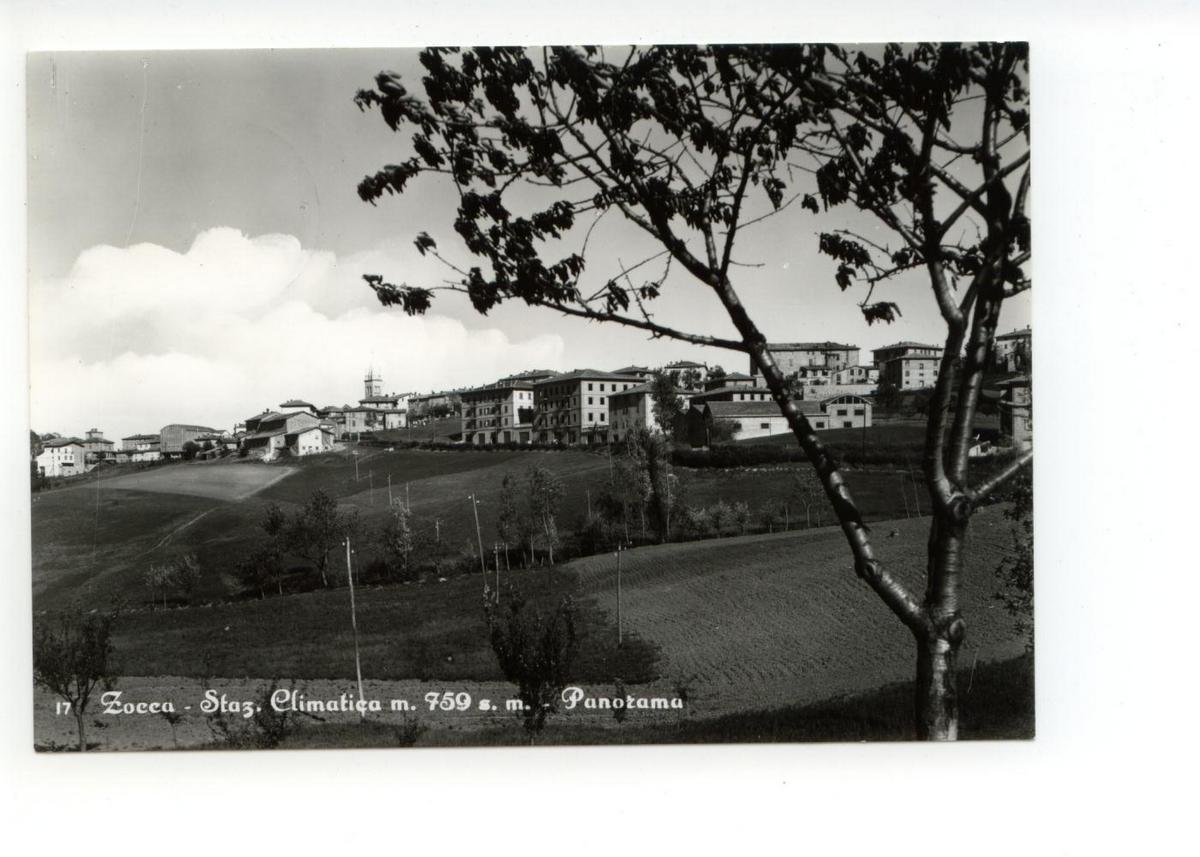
pixel 1115 106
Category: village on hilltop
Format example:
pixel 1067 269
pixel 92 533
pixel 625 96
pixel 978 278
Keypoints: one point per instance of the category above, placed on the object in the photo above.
pixel 829 384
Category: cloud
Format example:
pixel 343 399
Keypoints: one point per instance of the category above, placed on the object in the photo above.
pixel 134 338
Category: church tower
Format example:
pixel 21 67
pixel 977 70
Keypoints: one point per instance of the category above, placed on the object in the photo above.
pixel 372 385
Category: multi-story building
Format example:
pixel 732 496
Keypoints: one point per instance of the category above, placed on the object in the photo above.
pixel 763 419
pixel 908 365
pixel 62 456
pixel 96 448
pixel 1014 349
pixel 173 438
pixel 498 413
pixel 686 374
pixel 573 407
pixel 910 372
pixel 142 447
pixel 904 349
pixel 792 357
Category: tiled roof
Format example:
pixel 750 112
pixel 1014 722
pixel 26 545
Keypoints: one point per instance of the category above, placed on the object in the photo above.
pixel 640 389
pixel 809 346
pixel 589 375
pixel 296 403
pixel 62 441
pixel 907 345
pixel 685 364
pixel 1016 334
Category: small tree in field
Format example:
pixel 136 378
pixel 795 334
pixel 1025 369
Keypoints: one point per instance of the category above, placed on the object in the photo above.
pixel 545 493
pixel 535 648
pixel 317 529
pixel 72 656
pixel 397 537
pixel 692 147
pixel 508 519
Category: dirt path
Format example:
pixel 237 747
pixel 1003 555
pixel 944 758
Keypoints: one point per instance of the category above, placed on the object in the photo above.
pixel 175 532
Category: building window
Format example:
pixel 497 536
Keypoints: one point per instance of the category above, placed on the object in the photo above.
pixel 858 412
pixel 589 400
pixel 841 412
pixel 764 425
pixel 591 417
pixel 847 425
pixel 589 388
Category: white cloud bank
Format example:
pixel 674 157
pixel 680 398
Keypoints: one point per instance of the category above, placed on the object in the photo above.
pixel 135 338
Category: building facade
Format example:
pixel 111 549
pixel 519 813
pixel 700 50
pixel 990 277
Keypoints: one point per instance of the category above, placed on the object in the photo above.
pixel 573 408
pixel 747 420
pixel 1016 412
pixel 62 456
pixel 172 438
pixel 498 413
pixel 792 357
pixel 1013 351
pixel 910 372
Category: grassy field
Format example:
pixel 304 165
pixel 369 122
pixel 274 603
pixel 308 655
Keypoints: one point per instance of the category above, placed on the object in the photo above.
pixel 216 480
pixel 768 638
pixel 93 542
pixel 766 620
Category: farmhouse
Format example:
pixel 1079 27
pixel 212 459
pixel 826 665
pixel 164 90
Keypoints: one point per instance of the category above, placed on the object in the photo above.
pixel 573 407
pixel 271 433
pixel 498 413
pixel 142 447
pixel 62 456
pixel 791 357
pixel 763 419
pixel 299 405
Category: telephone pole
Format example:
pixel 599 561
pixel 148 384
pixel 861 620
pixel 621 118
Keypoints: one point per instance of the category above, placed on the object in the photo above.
pixel 620 550
pixel 354 625
pixel 478 532
pixel 389 490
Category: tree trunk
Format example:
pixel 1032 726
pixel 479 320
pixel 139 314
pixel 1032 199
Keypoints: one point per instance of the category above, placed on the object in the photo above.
pixel 937 691
pixel 82 731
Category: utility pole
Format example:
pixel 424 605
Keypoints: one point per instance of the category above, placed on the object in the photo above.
pixel 354 625
pixel 389 490
pixel 620 550
pixel 355 454
pixel 371 487
pixel 478 532
pixel 916 492
pixel 496 557
pixel 407 501
pixel 437 530
pixel 589 503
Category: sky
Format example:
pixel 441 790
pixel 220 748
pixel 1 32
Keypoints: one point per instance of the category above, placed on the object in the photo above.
pixel 196 248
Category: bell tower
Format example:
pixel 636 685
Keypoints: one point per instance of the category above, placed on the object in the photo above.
pixel 372 384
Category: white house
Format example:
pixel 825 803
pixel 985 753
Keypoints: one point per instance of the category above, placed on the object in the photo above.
pixel 63 456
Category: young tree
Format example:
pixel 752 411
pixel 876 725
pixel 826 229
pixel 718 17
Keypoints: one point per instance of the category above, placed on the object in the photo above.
pixel 665 402
pixel 397 537
pixel 651 454
pixel 72 656
pixel 693 146
pixel 317 529
pixel 508 519
pixel 262 569
pixel 545 493
pixel 157 579
pixel 535 648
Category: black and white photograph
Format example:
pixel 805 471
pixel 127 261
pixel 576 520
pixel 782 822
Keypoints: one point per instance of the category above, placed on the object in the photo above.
pixel 479 428
pixel 475 396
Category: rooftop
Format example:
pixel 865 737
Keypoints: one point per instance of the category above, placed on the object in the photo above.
pixel 1017 334
pixel 590 375
pixel 296 403
pixel 907 345
pixel 810 346
pixel 685 364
